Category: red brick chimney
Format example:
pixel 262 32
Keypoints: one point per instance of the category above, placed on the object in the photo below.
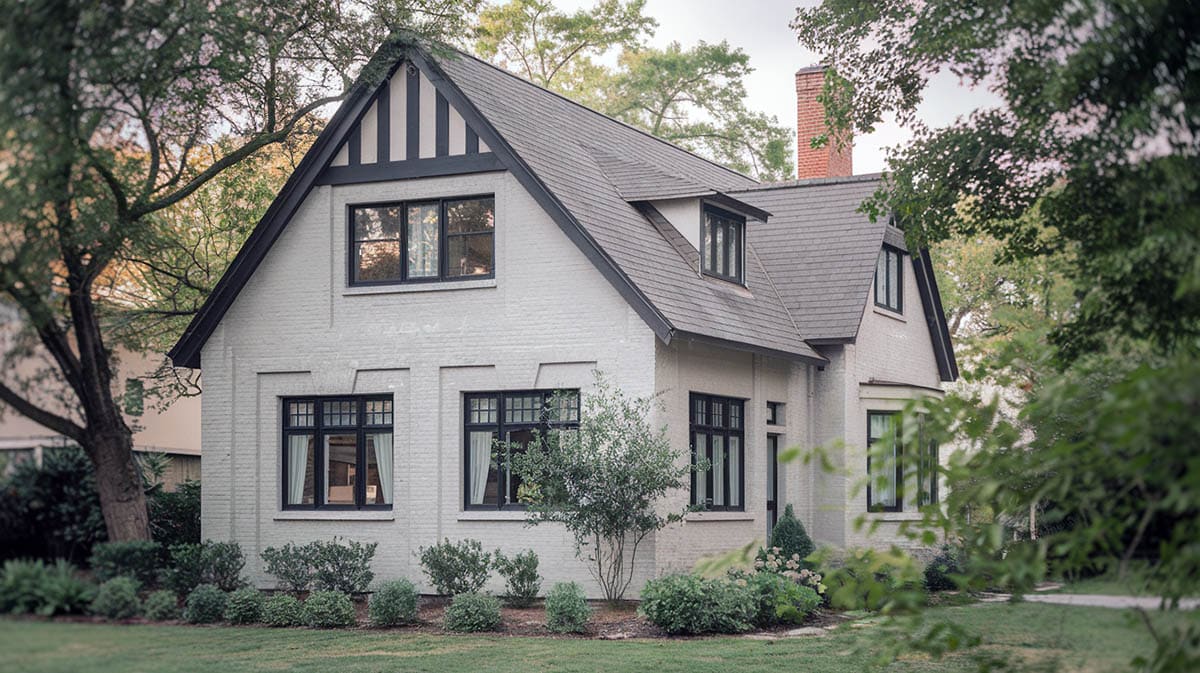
pixel 827 161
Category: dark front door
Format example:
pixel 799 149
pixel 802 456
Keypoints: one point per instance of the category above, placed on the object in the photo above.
pixel 772 483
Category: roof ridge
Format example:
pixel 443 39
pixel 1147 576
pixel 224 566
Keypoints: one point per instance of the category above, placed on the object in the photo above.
pixel 604 116
pixel 808 182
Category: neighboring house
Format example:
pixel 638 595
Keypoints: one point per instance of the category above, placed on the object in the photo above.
pixel 459 243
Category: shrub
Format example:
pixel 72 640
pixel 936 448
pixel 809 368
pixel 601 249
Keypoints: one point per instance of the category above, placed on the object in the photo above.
pixel 19 582
pixel 472 613
pixel 205 605
pixel 244 606
pixel 329 609
pixel 138 559
pixel 51 510
pixel 175 515
pixel 521 578
pixel 791 538
pixel 394 603
pixel 292 564
pixel 117 599
pixel 343 566
pixel 161 606
pixel 686 604
pixel 940 569
pixel 868 579
pixel 456 568
pixel 63 592
pixel 566 608
pixel 779 599
pixel 283 610
pixel 217 563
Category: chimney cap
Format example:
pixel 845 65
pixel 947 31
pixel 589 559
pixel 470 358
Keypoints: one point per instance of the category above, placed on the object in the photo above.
pixel 819 67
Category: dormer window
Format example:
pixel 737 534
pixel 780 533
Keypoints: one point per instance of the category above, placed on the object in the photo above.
pixel 722 244
pixel 889 279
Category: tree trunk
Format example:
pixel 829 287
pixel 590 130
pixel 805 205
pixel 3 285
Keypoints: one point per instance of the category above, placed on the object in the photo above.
pixel 122 499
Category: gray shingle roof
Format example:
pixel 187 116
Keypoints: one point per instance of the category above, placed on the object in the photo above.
pixel 555 137
pixel 819 250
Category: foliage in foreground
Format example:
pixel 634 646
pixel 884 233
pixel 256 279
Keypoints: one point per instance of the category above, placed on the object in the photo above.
pixel 604 482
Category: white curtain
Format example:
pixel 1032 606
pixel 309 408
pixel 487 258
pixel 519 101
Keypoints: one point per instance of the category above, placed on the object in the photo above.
pixel 382 441
pixel 883 462
pixel 481 463
pixel 718 470
pixel 297 467
pixel 701 475
pixel 735 474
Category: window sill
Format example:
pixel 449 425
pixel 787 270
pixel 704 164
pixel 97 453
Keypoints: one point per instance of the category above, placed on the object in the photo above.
pixel 498 515
pixel 718 516
pixel 893 516
pixel 888 313
pixel 348 515
pixel 401 288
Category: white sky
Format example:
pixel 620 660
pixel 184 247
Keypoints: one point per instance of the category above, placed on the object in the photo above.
pixel 760 28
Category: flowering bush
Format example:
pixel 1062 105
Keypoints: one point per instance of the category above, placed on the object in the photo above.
pixel 773 561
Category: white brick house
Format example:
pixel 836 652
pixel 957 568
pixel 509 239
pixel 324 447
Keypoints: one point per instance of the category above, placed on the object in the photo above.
pixel 459 243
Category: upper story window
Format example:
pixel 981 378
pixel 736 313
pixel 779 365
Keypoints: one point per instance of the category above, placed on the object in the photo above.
pixel 774 413
pixel 717 436
pixel 723 244
pixel 514 418
pixel 418 241
pixel 337 453
pixel 889 280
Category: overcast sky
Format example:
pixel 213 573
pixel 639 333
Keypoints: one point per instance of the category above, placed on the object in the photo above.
pixel 760 28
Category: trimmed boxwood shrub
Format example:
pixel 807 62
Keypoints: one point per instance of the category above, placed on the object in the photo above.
pixel 244 606
pixel 472 613
pixel 117 599
pixel 161 606
pixel 283 610
pixel 687 604
pixel 329 609
pixel 521 579
pixel 139 559
pixel 394 603
pixel 205 605
pixel 566 608
pixel 456 568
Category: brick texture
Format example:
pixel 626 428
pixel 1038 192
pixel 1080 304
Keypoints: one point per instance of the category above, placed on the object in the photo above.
pixel 822 162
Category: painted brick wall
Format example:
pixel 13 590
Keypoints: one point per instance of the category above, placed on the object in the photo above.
pixel 822 162
pixel 546 321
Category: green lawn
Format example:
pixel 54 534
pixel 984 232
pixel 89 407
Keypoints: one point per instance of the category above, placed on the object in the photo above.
pixel 1084 639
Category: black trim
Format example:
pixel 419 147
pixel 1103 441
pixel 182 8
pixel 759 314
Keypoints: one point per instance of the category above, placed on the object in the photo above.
pixel 773 415
pixel 402 278
pixel 500 427
pixel 461 164
pixel 383 123
pixel 899 451
pixel 412 116
pixel 751 348
pixel 472 141
pixel 888 253
pixel 727 202
pixel 702 426
pixel 935 316
pixel 441 141
pixel 773 482
pixel 734 222
pixel 354 146
pixel 317 430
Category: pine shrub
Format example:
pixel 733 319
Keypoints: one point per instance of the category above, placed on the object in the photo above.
pixel 791 538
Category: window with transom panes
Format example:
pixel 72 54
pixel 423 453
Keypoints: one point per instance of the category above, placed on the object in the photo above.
pixel 338 452
pixel 717 452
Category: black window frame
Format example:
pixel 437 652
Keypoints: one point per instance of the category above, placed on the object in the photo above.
pixel 738 223
pixel 710 430
pixel 927 463
pixel 888 254
pixel 443 274
pixel 899 450
pixel 500 427
pixel 318 429
pixel 775 413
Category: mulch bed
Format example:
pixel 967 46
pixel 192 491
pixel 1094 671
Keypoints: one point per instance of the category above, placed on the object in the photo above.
pixel 608 622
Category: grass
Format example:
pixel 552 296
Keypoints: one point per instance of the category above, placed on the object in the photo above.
pixel 1090 640
pixel 1105 585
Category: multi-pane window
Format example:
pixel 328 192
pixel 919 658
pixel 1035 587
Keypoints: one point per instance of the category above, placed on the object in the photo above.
pixel 717 441
pixel 418 241
pixel 510 420
pixel 927 467
pixel 883 461
pixel 722 245
pixel 337 453
pixel 889 280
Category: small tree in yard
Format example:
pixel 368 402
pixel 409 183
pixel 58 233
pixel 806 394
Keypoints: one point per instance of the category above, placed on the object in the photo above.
pixel 603 482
